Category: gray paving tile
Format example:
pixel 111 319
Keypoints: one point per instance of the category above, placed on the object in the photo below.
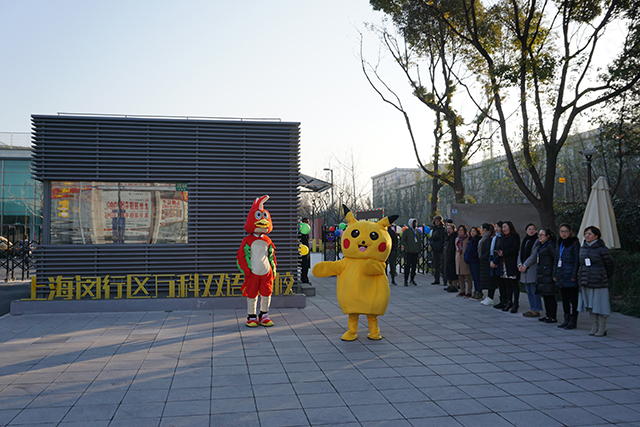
pixel 334 416
pixel 53 400
pixel 378 412
pixel 584 398
pixel 186 407
pixel 428 381
pixel 284 418
pixel 321 400
pixel 226 392
pixel 96 423
pixel 235 405
pixel 574 416
pixel 351 385
pixel 482 390
pixel 7 415
pixel 462 407
pixel 404 395
pixel 483 420
pixel 313 387
pixel 521 388
pixel 137 411
pixel 620 396
pixel 614 413
pixel 91 412
pixel 504 404
pixel 185 421
pixel 594 384
pixel 390 383
pixel 411 410
pixel 272 403
pixel 135 422
pixel 530 418
pixel 444 393
pixel 435 422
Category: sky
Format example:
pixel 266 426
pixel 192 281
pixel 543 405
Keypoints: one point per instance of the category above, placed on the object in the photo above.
pixel 287 59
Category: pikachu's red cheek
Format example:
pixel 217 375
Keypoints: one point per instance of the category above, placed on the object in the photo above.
pixel 346 243
pixel 382 247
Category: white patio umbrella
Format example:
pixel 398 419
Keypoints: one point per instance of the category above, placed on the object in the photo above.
pixel 599 212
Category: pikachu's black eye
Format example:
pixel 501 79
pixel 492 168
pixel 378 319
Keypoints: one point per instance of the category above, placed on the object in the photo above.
pixel 355 233
pixel 374 235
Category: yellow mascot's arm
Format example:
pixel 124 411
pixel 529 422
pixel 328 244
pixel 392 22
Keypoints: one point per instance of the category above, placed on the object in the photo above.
pixel 373 267
pixel 328 268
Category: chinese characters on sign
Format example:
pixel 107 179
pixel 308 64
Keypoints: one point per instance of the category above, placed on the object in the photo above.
pixel 134 286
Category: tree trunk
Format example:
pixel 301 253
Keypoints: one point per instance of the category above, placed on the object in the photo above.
pixel 546 212
pixel 435 189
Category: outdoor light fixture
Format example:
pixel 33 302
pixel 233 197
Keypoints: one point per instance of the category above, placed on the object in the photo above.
pixel 333 218
pixel 588 154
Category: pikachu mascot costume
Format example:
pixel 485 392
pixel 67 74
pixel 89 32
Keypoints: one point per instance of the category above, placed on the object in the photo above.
pixel 363 287
pixel 257 260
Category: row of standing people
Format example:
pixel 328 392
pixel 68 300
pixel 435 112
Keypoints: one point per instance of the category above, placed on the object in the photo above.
pixel 475 262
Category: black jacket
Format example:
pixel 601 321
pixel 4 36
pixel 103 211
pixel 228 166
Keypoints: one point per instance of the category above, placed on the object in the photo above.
pixel 597 274
pixel 449 261
pixel 437 239
pixel 570 262
pixel 487 281
pixel 471 254
pixel 394 239
pixel 546 257
pixel 510 246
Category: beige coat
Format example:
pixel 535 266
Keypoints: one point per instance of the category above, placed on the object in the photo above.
pixel 462 268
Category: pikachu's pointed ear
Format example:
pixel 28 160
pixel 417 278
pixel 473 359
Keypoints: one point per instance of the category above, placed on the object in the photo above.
pixel 348 215
pixel 387 221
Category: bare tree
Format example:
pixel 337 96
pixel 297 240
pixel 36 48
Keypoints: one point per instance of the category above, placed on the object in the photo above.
pixel 434 88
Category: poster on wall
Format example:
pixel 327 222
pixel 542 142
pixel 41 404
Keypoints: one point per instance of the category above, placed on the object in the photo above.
pixel 118 213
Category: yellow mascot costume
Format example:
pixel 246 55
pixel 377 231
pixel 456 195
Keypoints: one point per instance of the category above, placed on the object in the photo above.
pixel 363 287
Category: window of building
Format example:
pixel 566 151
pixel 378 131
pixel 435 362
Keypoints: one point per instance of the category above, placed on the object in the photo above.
pixel 118 213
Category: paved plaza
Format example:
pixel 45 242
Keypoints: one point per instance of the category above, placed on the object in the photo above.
pixel 443 361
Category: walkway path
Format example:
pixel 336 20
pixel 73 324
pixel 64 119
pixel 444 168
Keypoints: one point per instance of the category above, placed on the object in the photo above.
pixel 443 361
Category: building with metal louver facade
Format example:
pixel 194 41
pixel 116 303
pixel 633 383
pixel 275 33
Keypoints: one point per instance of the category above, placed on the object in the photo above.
pixel 158 204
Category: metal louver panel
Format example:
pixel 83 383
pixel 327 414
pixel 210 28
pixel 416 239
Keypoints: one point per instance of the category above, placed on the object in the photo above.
pixel 226 163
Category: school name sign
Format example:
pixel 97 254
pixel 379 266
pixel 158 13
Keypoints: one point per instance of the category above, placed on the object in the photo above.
pixel 134 286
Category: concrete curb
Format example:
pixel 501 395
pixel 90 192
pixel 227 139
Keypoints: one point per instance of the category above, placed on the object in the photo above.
pixel 19 307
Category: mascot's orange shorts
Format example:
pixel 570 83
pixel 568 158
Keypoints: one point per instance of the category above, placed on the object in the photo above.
pixel 254 284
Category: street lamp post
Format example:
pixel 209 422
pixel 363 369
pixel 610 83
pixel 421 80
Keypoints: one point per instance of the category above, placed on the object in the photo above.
pixel 333 218
pixel 588 154
pixel 313 217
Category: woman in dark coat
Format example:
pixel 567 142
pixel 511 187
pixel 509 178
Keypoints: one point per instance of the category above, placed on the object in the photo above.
pixel 487 280
pixel 546 286
pixel 509 248
pixel 449 261
pixel 472 259
pixel 596 268
pixel 565 273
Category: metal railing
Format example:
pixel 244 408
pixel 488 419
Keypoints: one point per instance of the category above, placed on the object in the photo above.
pixel 17 257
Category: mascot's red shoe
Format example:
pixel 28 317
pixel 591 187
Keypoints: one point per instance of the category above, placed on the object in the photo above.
pixel 265 321
pixel 252 322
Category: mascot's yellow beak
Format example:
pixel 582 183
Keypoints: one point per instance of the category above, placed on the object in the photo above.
pixel 263 223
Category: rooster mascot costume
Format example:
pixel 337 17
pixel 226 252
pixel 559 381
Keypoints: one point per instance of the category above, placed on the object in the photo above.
pixel 257 260
pixel 363 287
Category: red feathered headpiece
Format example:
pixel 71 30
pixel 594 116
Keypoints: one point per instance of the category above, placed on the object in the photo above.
pixel 259 219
